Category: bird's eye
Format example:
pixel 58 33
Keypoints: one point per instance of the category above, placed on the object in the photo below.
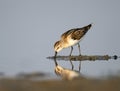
pixel 57 47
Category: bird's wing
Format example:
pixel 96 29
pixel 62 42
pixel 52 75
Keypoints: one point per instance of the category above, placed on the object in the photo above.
pixel 66 34
pixel 76 33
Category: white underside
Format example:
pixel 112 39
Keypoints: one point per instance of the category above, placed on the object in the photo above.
pixel 72 42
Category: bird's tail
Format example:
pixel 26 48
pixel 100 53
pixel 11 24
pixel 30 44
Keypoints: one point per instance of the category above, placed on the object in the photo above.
pixel 78 33
pixel 86 28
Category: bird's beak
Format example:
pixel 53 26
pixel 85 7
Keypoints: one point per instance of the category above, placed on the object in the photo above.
pixel 55 59
pixel 55 54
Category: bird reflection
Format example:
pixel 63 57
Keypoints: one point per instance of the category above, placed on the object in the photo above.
pixel 66 73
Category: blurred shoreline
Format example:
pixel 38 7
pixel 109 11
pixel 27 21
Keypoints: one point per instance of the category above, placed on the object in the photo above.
pixel 44 82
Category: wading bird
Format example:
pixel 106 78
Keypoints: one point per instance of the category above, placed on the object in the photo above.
pixel 69 39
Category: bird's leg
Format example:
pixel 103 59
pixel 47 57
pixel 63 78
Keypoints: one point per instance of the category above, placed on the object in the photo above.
pixel 71 64
pixel 79 55
pixel 79 66
pixel 79 49
pixel 71 51
pixel 70 59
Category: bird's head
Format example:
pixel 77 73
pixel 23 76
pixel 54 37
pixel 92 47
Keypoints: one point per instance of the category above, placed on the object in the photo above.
pixel 58 46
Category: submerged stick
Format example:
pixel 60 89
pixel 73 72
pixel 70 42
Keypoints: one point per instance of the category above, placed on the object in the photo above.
pixel 84 57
